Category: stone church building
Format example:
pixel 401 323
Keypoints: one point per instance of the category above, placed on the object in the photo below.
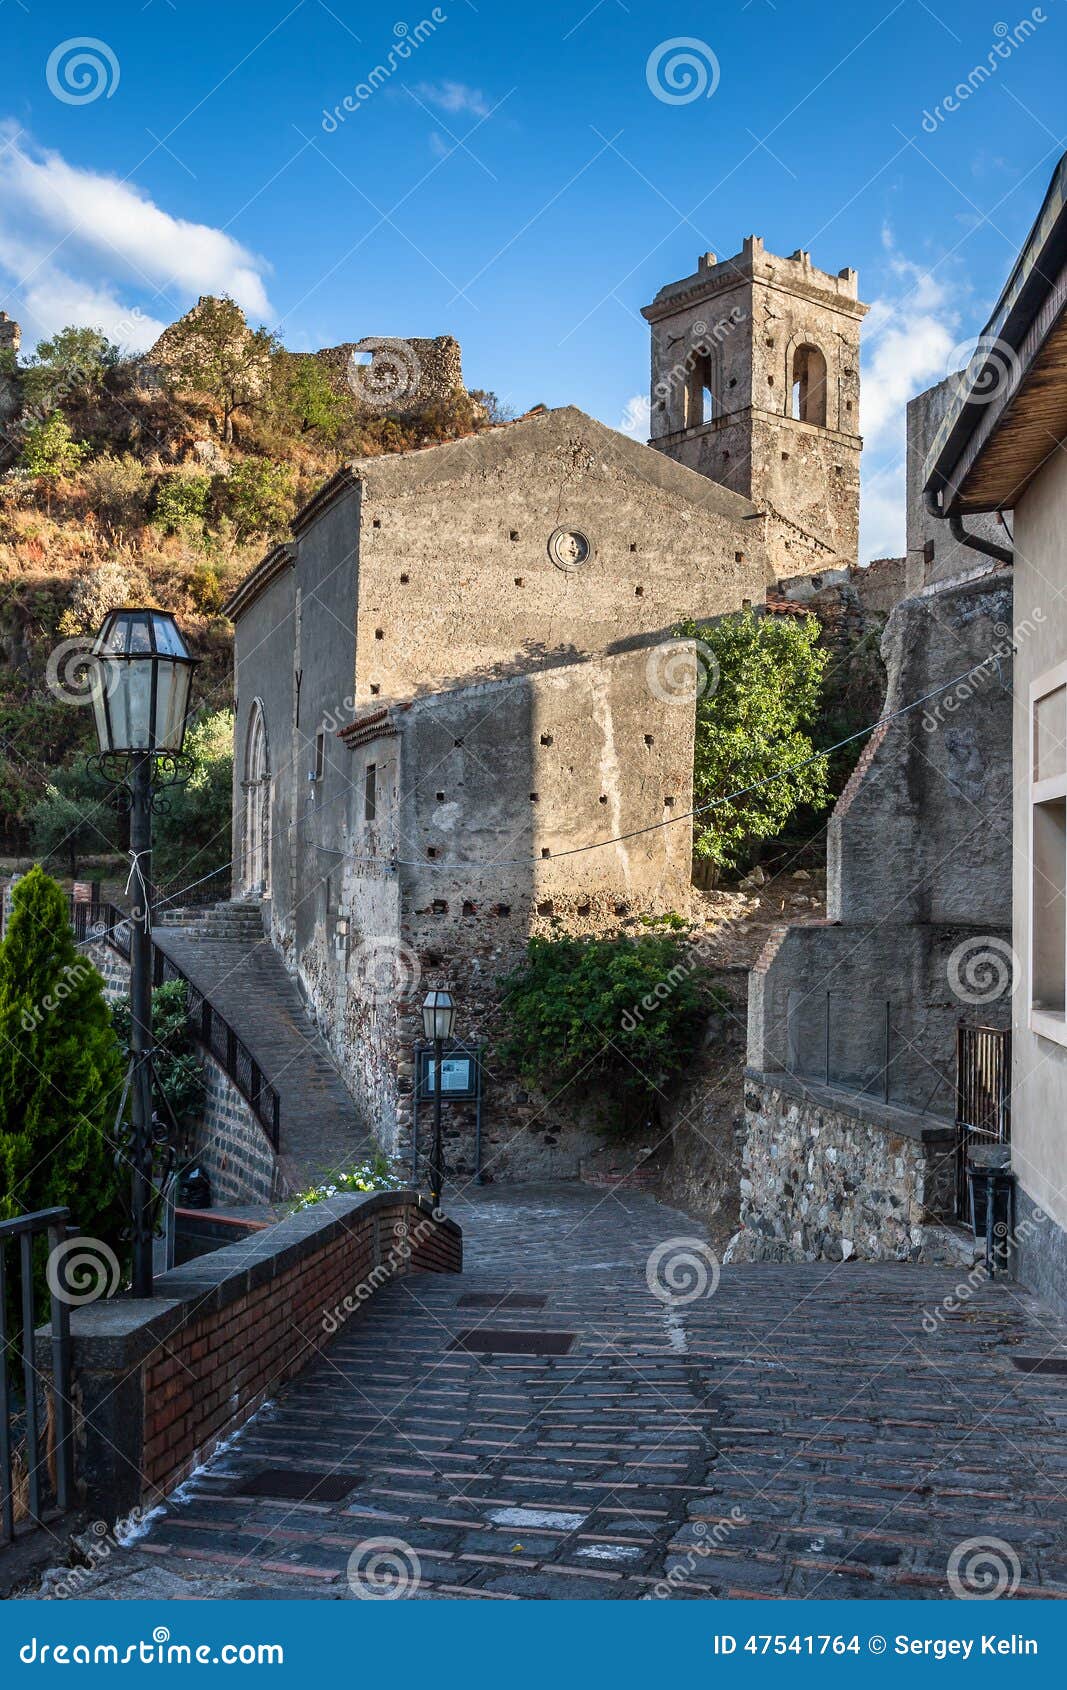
pixel 458 696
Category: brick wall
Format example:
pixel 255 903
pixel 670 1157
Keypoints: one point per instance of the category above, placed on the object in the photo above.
pixel 159 1384
pixel 230 1144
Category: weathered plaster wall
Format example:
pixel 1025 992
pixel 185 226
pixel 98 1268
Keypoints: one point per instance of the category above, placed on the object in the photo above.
pixel 456 581
pixel 1039 1086
pixel 933 555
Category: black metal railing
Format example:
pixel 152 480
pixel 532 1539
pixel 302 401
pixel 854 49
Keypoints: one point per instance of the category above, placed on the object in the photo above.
pixel 35 1482
pixel 110 925
pixel 983 1096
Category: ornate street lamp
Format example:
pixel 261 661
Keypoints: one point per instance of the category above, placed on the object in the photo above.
pixel 438 1021
pixel 140 676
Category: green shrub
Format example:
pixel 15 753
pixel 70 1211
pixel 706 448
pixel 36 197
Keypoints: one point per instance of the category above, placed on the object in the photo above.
pixel 177 1068
pixel 753 722
pixel 117 489
pixel 181 504
pixel 620 1017
pixel 61 1069
pixel 49 449
pixel 259 497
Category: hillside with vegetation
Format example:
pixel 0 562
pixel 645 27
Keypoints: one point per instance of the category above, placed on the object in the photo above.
pixel 161 483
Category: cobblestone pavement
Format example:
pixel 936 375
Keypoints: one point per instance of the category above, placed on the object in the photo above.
pixel 816 1431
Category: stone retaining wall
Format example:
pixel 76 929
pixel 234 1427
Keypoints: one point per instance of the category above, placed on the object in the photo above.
pixel 828 1176
pixel 158 1384
pixel 231 1145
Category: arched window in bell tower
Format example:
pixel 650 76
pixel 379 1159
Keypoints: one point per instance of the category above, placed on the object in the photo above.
pixel 808 385
pixel 701 405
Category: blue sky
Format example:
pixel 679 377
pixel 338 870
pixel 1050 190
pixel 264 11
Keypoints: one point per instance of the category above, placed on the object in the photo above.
pixel 516 178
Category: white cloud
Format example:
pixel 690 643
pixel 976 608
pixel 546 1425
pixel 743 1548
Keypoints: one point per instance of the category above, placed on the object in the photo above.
pixel 909 337
pixel 76 244
pixel 454 97
pixel 636 418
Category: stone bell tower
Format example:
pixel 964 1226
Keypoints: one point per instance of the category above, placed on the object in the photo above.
pixel 755 384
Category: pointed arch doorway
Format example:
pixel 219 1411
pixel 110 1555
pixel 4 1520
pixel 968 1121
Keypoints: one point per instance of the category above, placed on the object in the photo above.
pixel 257 793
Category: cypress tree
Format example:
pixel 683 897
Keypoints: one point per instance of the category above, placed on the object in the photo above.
pixel 61 1069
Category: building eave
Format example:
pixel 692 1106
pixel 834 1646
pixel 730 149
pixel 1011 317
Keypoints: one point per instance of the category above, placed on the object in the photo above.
pixel 277 561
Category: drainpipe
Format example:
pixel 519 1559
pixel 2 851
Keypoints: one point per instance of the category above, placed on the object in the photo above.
pixel 989 548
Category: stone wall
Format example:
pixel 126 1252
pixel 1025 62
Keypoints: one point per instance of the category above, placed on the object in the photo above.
pixel 933 554
pixel 826 1177
pixel 159 1384
pixel 227 1139
pixel 230 1144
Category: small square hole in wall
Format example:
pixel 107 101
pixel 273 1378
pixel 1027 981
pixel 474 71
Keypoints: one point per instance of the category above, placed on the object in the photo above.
pixel 785 457
pixel 514 534
pixel 535 798
pixel 582 909
pixel 848 404
pixel 518 581
pixel 375 689
pixel 469 908
pixel 546 907
pixel 739 557
pixel 440 797
pixel 456 743
pixel 603 798
pixel 639 592
pixel 431 851
pixel 733 381
pixel 839 469
pixel 622 909
pixel 650 739
pixel 377 522
pixel 726 457
pixel 440 906
pixel 379 633
pixel 633 545
pixel 546 739
pixel 770 381
pixel 501 909
pixel 404 579
pixel 668 803
pixel 546 851
pixel 768 342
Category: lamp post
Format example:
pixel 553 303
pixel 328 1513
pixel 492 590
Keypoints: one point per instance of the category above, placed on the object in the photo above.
pixel 438 1020
pixel 140 678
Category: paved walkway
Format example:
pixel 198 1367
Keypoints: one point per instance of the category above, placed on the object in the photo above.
pixel 818 1431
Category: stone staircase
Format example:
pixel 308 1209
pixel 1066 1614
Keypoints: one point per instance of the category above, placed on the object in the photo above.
pixel 224 951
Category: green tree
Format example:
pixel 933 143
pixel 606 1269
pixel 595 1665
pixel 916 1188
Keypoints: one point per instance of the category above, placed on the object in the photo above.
pixel 181 504
pixel 192 835
pixel 259 496
pixel 61 1068
pixel 74 818
pixel 177 1069
pixel 620 1017
pixel 73 364
pixel 753 725
pixel 303 399
pixel 49 449
pixel 211 351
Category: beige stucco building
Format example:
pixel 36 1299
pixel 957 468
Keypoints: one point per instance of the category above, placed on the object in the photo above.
pixel 999 449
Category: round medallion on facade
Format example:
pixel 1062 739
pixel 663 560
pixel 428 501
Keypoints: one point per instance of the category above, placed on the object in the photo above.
pixel 569 548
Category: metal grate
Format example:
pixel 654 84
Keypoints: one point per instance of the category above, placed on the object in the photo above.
pixel 1056 1365
pixel 292 1484
pixel 486 1340
pixel 501 1300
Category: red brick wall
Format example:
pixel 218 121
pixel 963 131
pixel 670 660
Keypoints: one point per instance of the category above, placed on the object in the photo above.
pixel 218 1367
